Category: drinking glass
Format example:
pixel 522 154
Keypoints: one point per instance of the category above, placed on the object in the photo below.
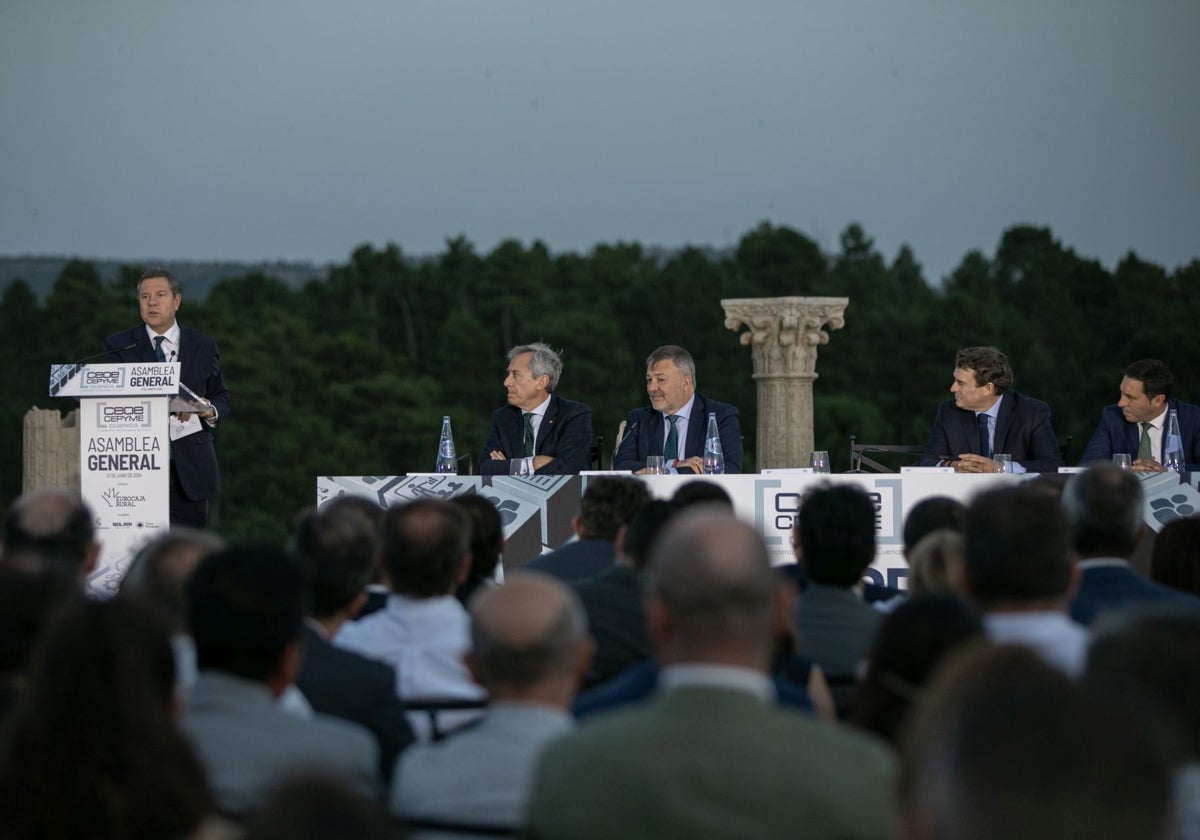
pixel 820 461
pixel 1003 462
pixel 654 465
pixel 520 466
pixel 1123 460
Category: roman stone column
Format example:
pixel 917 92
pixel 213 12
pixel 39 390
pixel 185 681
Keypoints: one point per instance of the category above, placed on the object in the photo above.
pixel 50 450
pixel 784 334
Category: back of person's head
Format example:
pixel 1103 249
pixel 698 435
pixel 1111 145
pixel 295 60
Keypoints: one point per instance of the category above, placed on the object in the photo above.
pixel 525 633
pixel 29 598
pixel 245 608
pixel 701 491
pixel 608 503
pixel 1146 662
pixel 487 534
pixel 1104 507
pixel 935 513
pixel 912 641
pixel 1175 561
pixel 644 529
pixel 711 591
pixel 1006 746
pixel 91 749
pixel 836 534
pixel 1017 548
pixel 425 545
pixel 337 552
pixel 55 526
pixel 310 807
pixel 1155 376
pixel 157 575
pixel 935 564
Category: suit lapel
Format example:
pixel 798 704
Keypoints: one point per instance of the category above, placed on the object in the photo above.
pixel 1004 421
pixel 968 429
pixel 654 445
pixel 143 348
pixel 546 429
pixel 697 421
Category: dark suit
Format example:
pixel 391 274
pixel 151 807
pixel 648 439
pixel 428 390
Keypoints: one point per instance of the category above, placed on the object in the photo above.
pixel 645 433
pixel 565 434
pixel 575 560
pixel 1116 434
pixel 1106 588
pixel 1022 430
pixel 193 458
pixel 613 603
pixel 347 685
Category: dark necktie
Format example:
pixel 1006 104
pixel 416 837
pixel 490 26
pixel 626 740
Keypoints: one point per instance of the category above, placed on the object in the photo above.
pixel 528 433
pixel 671 450
pixel 985 443
pixel 159 355
pixel 1144 449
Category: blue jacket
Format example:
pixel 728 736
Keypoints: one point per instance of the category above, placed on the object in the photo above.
pixel 645 432
pixel 565 434
pixel 1116 434
pixel 1022 430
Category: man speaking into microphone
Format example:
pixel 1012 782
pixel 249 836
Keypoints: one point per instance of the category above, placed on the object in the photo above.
pixel 195 480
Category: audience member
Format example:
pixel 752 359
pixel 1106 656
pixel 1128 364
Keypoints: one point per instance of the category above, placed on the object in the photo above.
pixel 246 613
pixel 701 492
pixel 529 650
pixel 91 749
pixel 935 564
pixel 1006 747
pixel 1019 573
pixel 935 513
pixel 1175 560
pixel 371 515
pixel 423 631
pixel 52 527
pixel 29 598
pixel 834 540
pixel 487 542
pixel 912 642
pixel 986 417
pixel 675 423
pixel 1104 507
pixel 710 755
pixel 337 553
pixel 607 504
pixel 319 808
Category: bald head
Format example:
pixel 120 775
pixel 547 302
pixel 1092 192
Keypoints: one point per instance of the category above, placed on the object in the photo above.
pixel 54 525
pixel 525 634
pixel 712 591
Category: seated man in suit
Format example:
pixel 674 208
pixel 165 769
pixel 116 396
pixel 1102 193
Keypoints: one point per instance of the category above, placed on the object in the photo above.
pixel 555 434
pixel 711 754
pixel 674 424
pixel 337 551
pixel 246 613
pixel 1104 508
pixel 987 417
pixel 1136 425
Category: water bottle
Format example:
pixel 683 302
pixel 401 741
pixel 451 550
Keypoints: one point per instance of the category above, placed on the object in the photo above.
pixel 714 456
pixel 1173 447
pixel 447 460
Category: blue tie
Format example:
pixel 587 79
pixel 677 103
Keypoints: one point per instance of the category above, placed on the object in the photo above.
pixel 985 444
pixel 159 355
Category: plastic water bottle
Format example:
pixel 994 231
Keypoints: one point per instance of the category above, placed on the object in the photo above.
pixel 714 456
pixel 1173 449
pixel 447 459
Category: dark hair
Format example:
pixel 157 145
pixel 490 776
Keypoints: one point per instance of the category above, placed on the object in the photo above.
pixel 911 643
pixel 245 606
pixel 337 551
pixel 701 492
pixel 158 572
pixel 1104 506
pixel 424 543
pixel 91 749
pixel 487 534
pixel 53 525
pixel 1156 377
pixel 989 364
pixel 159 271
pixel 316 807
pixel 836 527
pixel 1017 547
pixel 644 529
pixel 933 514
pixel 1175 561
pixel 677 356
pixel 608 503
pixel 29 598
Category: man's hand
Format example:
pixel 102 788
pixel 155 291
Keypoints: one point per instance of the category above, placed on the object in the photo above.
pixel 540 461
pixel 497 455
pixel 1146 465
pixel 969 463
pixel 695 462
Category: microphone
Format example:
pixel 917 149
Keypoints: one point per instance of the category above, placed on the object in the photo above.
pixel 105 353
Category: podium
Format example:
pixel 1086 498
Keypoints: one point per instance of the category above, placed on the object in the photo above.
pixel 124 455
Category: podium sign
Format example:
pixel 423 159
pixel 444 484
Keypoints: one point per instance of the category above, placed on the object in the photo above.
pixel 124 453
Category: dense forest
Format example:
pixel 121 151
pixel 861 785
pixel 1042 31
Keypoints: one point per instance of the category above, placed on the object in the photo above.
pixel 352 374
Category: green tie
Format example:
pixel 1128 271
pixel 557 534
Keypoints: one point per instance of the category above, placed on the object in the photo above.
pixel 528 434
pixel 1144 450
pixel 159 355
pixel 671 450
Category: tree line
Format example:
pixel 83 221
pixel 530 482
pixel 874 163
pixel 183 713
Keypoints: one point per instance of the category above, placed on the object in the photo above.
pixel 352 373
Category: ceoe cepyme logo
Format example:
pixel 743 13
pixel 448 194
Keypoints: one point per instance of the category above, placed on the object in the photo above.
pixel 111 415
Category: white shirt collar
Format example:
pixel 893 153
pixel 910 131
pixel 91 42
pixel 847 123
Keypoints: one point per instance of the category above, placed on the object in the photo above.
pixel 171 335
pixel 540 411
pixel 696 674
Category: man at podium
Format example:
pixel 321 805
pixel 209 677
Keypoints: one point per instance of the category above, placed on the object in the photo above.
pixel 195 479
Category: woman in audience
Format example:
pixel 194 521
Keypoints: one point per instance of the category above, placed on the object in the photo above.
pixel 91 749
pixel 912 642
pixel 1176 558
pixel 935 563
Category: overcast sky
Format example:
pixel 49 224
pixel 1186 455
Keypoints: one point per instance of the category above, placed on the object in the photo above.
pixel 296 129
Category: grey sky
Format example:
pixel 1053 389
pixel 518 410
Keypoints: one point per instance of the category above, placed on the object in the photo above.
pixel 297 129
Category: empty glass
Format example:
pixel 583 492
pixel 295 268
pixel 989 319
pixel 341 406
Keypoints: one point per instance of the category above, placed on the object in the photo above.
pixel 654 465
pixel 1123 460
pixel 1003 462
pixel 820 461
pixel 520 466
